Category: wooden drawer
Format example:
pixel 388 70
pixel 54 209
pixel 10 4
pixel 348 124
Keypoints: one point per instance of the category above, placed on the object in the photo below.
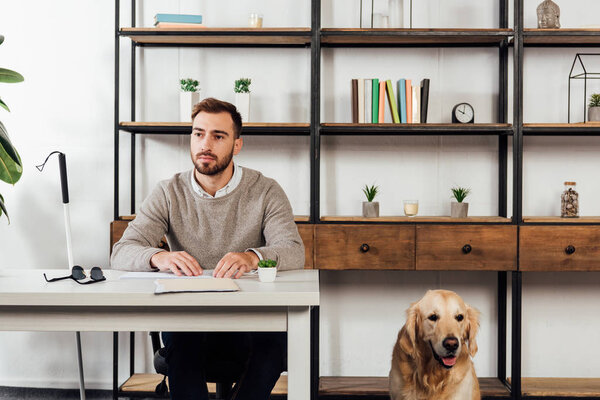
pixel 546 248
pixel 307 233
pixel 340 247
pixel 466 247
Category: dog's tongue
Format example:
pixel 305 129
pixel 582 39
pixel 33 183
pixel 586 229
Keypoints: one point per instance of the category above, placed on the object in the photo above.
pixel 449 361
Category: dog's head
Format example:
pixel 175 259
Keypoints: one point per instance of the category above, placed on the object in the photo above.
pixel 442 322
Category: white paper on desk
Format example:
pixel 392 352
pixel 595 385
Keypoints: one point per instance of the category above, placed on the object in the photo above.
pixel 207 273
pixel 195 285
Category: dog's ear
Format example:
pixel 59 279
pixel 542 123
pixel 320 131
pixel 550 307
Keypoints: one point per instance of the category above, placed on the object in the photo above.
pixel 408 337
pixel 472 329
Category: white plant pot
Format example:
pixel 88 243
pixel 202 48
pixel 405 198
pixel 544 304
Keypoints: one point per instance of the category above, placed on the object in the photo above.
pixel 459 210
pixel 593 114
pixel 370 209
pixel 187 101
pixel 242 103
pixel 267 274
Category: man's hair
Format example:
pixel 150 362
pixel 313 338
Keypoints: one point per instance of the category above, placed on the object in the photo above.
pixel 214 106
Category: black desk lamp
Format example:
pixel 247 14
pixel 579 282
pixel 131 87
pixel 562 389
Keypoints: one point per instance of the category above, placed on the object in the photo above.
pixel 62 164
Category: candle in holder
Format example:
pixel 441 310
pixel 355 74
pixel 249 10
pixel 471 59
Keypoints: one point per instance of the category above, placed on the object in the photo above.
pixel 255 20
pixel 411 207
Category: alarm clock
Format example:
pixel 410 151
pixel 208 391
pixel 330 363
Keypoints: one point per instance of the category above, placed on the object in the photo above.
pixel 463 113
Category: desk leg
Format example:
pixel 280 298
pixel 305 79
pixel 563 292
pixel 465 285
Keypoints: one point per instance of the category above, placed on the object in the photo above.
pixel 298 353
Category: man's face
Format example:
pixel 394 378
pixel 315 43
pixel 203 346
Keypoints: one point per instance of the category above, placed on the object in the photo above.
pixel 213 143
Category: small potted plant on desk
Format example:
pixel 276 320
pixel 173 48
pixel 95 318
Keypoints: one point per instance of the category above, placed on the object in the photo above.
pixel 594 108
pixel 188 97
pixel 458 208
pixel 242 97
pixel 370 208
pixel 267 270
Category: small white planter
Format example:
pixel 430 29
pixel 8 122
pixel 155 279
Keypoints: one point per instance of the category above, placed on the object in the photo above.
pixel 459 210
pixel 187 101
pixel 370 209
pixel 242 103
pixel 593 114
pixel 267 274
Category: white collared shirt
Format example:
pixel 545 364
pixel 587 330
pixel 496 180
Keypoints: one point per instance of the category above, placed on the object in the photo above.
pixel 231 185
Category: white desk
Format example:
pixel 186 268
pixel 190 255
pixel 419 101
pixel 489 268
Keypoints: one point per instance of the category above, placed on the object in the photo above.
pixel 29 303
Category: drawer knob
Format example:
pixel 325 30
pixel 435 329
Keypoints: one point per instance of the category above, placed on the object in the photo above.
pixel 570 249
pixel 364 247
pixel 467 248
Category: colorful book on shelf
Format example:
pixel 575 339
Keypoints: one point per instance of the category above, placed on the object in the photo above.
pixel 408 102
pixel 402 99
pixel 375 101
pixel 181 18
pixel 392 101
pixel 178 25
pixel 416 99
pixel 368 100
pixel 424 99
pixel 381 102
pixel 361 100
pixel 354 101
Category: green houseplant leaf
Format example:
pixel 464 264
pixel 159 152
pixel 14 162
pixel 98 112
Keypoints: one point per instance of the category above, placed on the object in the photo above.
pixel 1 39
pixel 11 167
pixel 3 208
pixel 3 105
pixel 9 76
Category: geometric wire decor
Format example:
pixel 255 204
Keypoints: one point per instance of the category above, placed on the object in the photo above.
pixel 585 75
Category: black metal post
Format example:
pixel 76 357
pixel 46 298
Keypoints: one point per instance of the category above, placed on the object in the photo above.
pixel 115 364
pixel 518 114
pixel 314 356
pixel 116 111
pixel 131 353
pixel 503 113
pixel 516 335
pixel 315 111
pixel 502 286
pixel 133 68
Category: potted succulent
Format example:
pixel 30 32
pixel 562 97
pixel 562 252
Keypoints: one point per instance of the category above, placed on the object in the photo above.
pixel 188 97
pixel 11 167
pixel 594 108
pixel 267 270
pixel 370 208
pixel 458 208
pixel 242 97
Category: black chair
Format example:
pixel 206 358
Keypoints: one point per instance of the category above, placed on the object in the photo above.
pixel 223 373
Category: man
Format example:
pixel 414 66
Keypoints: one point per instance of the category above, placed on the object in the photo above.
pixel 222 217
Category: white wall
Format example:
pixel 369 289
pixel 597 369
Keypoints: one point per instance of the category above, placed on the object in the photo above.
pixel 65 51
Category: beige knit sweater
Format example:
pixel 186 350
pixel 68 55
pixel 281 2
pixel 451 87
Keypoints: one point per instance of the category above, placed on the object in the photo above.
pixel 256 214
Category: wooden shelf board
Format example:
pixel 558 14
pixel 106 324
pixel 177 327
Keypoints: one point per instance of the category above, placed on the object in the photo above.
pixel 552 220
pixel 249 128
pixel 415 219
pixel 378 386
pixel 574 129
pixel 146 383
pixel 351 36
pixel 414 129
pixel 560 387
pixel 225 36
pixel 297 218
pixel 560 36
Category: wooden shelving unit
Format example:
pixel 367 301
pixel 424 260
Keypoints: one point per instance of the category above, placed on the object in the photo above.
pixel 559 220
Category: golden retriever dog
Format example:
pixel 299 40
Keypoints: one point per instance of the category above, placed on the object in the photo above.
pixel 432 356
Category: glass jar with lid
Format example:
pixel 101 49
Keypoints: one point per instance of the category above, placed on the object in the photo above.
pixel 569 204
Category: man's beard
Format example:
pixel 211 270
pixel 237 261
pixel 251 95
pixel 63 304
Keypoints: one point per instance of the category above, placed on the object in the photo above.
pixel 216 169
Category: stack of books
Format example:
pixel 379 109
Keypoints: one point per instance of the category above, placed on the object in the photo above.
pixel 409 106
pixel 178 21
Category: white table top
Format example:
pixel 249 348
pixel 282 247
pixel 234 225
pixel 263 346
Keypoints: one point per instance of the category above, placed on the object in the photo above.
pixel 27 287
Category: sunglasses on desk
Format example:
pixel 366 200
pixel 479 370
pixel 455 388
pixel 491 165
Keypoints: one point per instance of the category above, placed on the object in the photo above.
pixel 78 274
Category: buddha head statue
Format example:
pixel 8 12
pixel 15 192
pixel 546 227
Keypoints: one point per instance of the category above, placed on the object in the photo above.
pixel 548 15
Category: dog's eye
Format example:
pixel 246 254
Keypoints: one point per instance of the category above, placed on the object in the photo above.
pixel 460 317
pixel 432 317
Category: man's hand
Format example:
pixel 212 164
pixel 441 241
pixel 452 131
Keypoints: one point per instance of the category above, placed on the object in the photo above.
pixel 233 265
pixel 178 262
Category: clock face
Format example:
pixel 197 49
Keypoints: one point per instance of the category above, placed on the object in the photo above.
pixel 463 113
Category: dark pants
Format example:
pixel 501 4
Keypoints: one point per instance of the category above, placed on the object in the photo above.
pixel 254 361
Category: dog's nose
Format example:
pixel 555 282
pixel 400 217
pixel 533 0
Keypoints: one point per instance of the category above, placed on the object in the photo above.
pixel 450 343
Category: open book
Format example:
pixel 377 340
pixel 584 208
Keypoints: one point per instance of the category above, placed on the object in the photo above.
pixel 195 285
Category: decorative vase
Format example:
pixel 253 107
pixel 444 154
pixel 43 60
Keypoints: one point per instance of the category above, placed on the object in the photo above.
pixel 267 274
pixel 459 210
pixel 242 103
pixel 548 15
pixel 187 101
pixel 594 114
pixel 370 209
